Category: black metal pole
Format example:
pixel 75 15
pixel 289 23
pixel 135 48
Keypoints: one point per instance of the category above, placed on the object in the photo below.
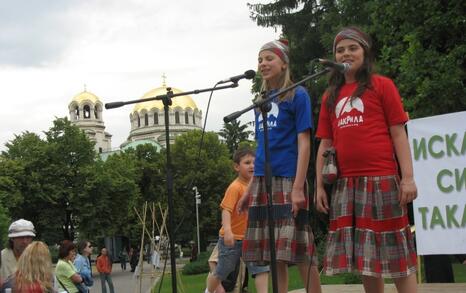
pixel 166 103
pixel 268 187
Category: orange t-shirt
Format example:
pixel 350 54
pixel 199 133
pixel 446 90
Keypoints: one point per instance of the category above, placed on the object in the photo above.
pixel 238 221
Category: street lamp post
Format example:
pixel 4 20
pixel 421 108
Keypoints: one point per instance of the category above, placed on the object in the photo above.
pixel 197 197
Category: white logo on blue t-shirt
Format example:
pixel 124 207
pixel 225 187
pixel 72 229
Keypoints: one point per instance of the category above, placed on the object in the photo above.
pixel 272 117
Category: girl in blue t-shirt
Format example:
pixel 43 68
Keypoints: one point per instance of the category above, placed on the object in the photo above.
pixel 289 124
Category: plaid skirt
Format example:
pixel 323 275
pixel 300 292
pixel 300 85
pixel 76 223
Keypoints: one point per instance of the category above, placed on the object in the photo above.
pixel 294 241
pixel 369 231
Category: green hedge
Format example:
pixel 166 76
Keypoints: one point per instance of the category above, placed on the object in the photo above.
pixel 200 266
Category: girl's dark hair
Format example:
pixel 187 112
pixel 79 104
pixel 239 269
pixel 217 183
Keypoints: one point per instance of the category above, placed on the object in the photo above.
pixel 363 75
pixel 65 247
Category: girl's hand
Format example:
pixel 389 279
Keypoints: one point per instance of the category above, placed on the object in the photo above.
pixel 408 191
pixel 321 200
pixel 297 200
pixel 243 203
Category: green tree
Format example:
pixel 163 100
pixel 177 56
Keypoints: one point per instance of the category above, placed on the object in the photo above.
pixel 420 44
pixel 4 224
pixel 234 133
pixel 151 165
pixel 10 193
pixel 212 172
pixel 47 179
pixel 68 151
pixel 109 195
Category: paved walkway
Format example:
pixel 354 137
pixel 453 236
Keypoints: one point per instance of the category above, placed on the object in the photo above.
pixel 125 281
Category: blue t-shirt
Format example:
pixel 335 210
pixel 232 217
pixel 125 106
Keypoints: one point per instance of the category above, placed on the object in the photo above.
pixel 285 121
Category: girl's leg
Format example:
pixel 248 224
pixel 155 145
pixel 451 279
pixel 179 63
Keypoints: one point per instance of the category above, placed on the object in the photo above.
pixel 406 284
pixel 372 284
pixel 310 277
pixel 262 281
pixel 282 277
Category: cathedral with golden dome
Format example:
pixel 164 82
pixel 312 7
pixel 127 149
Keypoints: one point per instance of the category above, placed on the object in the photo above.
pixel 147 119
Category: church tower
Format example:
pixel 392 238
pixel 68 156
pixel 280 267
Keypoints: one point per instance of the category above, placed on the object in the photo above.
pixel 86 112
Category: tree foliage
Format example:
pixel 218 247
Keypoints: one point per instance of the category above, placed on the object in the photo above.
pixel 211 172
pixel 420 44
pixel 42 179
pixel 60 185
pixel 234 133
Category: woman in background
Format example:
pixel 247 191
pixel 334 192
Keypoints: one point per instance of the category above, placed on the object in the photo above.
pixel 67 275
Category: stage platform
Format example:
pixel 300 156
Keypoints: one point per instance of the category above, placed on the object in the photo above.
pixel 390 288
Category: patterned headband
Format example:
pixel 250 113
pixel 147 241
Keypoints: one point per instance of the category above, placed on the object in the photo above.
pixel 350 34
pixel 279 47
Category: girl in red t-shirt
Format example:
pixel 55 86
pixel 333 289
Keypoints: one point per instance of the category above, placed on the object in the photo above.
pixel 363 118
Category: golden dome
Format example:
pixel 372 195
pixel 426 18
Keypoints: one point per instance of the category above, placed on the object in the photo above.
pixel 86 96
pixel 180 101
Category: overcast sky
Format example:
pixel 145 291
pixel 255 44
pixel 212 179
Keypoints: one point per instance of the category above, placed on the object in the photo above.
pixel 119 49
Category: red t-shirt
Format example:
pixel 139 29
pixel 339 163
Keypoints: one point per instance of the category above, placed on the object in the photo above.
pixel 360 129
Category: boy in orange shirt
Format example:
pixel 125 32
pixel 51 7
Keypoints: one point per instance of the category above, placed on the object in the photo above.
pixel 234 227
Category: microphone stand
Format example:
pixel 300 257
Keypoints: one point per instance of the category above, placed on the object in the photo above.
pixel 264 106
pixel 166 99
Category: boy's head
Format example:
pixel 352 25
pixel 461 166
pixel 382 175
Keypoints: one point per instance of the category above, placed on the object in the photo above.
pixel 244 162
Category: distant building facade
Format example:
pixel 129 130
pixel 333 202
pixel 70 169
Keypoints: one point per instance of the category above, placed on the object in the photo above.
pixel 147 120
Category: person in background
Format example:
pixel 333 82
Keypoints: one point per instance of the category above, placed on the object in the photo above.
pixel 34 272
pixel 123 256
pixel 67 276
pixel 362 117
pixel 134 258
pixel 20 234
pixel 104 267
pixel 83 264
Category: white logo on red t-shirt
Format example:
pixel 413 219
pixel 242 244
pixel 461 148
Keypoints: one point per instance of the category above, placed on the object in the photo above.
pixel 349 112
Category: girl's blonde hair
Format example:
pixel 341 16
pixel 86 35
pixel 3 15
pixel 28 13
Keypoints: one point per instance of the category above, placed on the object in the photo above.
pixel 34 268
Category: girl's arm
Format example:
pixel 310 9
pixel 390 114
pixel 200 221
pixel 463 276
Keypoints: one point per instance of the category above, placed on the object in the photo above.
pixel 408 189
pixel 321 195
pixel 304 153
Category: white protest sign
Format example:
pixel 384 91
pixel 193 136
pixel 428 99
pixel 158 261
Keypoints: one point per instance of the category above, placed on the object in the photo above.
pixel 438 148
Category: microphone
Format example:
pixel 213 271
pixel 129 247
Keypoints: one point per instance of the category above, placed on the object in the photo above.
pixel 249 74
pixel 114 105
pixel 340 67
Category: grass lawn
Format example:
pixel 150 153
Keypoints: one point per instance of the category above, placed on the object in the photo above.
pixel 196 283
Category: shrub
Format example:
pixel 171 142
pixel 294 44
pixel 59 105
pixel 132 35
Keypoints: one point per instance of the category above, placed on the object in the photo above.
pixel 200 266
